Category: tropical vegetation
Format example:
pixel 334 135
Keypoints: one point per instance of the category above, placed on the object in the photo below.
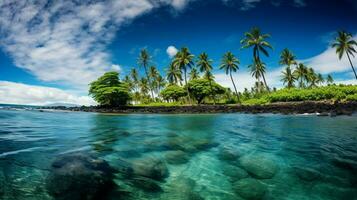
pixel 189 79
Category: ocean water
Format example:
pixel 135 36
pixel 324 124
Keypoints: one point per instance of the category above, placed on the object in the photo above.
pixel 211 157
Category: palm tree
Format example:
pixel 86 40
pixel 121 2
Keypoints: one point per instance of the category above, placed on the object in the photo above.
pixel 173 75
pixel 345 44
pixel 144 61
pixel 300 73
pixel 256 40
pixel 287 58
pixel 230 64
pixel 194 74
pixel 288 77
pixel 312 77
pixel 135 77
pixel 161 82
pixel 144 86
pixel 153 74
pixel 320 79
pixel 205 65
pixel 329 79
pixel 183 61
pixel 257 70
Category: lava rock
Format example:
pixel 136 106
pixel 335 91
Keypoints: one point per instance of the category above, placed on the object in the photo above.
pixel 234 173
pixel 250 189
pixel 146 184
pixel 307 174
pixel 177 157
pixel 260 166
pixel 227 154
pixel 182 188
pixel 150 167
pixel 79 177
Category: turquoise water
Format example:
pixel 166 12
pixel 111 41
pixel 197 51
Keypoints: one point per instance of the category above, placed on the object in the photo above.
pixel 218 156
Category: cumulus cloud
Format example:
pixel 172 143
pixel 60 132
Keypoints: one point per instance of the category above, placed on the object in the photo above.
pixel 65 41
pixel 18 93
pixel 328 61
pixel 171 51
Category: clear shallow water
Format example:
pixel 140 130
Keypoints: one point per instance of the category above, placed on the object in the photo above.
pixel 220 156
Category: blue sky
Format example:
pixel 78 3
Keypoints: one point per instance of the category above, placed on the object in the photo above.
pixel 50 51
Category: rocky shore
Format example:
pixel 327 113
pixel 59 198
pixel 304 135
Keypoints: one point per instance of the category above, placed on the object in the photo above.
pixel 322 108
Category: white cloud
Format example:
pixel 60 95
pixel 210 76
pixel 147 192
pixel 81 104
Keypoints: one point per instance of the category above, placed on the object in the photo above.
pixel 243 79
pixel 328 62
pixel 65 41
pixel 171 51
pixel 300 3
pixel 18 93
pixel 116 68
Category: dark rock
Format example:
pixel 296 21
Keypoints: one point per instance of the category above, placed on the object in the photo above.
pixel 203 144
pixel 183 188
pixel 307 174
pixel 249 189
pixel 177 157
pixel 234 173
pixel 153 168
pixel 228 154
pixel 260 166
pixel 146 184
pixel 79 177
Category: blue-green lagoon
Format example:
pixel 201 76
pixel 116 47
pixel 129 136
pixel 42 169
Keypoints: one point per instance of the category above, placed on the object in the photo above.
pixel 49 155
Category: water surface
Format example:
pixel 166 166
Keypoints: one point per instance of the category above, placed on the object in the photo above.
pixel 220 156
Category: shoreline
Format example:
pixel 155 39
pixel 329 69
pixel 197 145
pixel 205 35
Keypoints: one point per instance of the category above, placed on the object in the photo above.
pixel 321 108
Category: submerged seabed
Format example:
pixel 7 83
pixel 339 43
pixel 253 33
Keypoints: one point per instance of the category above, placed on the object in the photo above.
pixel 221 156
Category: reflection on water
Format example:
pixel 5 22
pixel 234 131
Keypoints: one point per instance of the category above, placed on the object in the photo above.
pixel 46 155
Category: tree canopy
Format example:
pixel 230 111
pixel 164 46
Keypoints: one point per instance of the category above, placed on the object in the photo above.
pixel 201 88
pixel 108 90
pixel 173 92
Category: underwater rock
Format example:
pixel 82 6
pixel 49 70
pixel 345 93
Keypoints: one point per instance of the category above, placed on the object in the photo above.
pixel 306 174
pixel 79 177
pixel 346 164
pixel 150 167
pixel 2 183
pixel 203 144
pixel 177 157
pixel 228 154
pixel 250 189
pixel 260 166
pixel 182 188
pixel 234 173
pixel 146 184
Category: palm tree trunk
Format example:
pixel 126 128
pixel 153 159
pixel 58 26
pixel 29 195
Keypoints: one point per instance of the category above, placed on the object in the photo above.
pixel 234 85
pixel 348 56
pixel 258 59
pixel 147 76
pixel 188 93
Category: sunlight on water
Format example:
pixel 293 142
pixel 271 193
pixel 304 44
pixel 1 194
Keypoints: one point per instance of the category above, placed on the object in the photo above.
pixel 45 155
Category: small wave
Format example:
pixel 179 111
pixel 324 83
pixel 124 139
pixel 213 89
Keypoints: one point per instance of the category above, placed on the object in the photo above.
pixel 18 151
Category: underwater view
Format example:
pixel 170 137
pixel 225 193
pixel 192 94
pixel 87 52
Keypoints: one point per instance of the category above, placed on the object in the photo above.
pixel 75 155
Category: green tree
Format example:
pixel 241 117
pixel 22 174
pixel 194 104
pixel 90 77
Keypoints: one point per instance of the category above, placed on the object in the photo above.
pixel 108 90
pixel 144 86
pixel 320 79
pixel 312 77
pixel 256 40
pixel 184 60
pixel 205 66
pixel 144 60
pixel 135 77
pixel 194 74
pixel 230 64
pixel 287 58
pixel 173 92
pixel 257 70
pixel 329 79
pixel 288 77
pixel 345 44
pixel 301 74
pixel 173 74
pixel 200 89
